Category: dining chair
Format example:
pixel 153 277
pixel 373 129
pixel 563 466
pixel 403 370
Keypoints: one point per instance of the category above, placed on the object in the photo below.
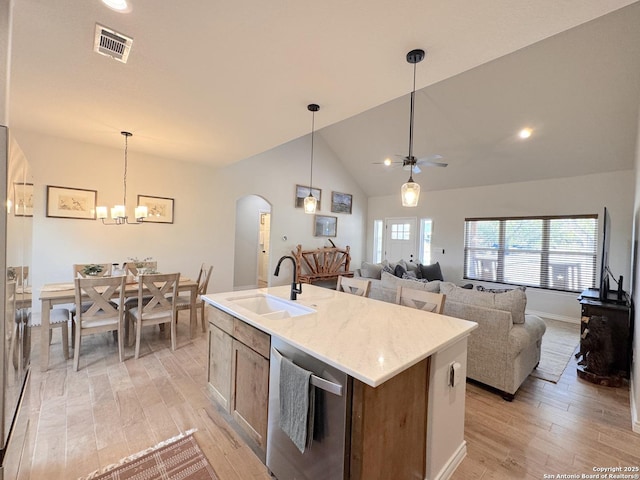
pixel 84 270
pixel 161 307
pixel 133 268
pixel 183 302
pixel 102 314
pixel 354 286
pixel 414 298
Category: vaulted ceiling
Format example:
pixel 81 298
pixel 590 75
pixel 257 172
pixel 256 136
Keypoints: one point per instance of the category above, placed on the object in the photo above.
pixel 219 82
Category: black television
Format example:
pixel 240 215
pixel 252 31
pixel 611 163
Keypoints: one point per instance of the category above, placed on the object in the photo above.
pixel 604 260
pixel 605 293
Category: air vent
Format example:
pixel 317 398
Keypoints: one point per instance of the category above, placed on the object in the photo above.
pixel 112 44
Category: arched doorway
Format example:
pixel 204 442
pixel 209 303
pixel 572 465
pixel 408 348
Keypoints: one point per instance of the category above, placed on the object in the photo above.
pixel 252 243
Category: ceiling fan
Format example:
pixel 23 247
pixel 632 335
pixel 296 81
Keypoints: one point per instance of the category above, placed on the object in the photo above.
pixel 416 163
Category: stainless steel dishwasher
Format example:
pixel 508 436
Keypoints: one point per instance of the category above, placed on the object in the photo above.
pixel 328 455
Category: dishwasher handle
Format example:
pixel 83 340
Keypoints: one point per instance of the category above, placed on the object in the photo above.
pixel 318 382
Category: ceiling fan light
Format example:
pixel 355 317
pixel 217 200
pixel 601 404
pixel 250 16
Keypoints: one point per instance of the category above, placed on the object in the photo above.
pixel 387 161
pixel 410 192
pixel 310 203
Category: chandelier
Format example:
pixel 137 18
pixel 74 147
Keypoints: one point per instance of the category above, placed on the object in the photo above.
pixel 119 212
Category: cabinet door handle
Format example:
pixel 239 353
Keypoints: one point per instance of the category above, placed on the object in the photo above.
pixel 319 382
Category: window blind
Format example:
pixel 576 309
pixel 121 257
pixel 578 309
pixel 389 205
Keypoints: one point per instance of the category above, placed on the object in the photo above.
pixel 553 252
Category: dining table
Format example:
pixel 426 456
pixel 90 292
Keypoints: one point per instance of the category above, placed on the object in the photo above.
pixel 63 293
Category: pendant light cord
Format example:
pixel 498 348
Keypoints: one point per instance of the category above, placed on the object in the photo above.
pixel 313 124
pixel 413 94
pixel 126 145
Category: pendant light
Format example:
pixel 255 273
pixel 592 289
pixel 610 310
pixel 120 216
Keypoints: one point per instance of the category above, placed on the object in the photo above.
pixel 410 191
pixel 119 212
pixel 311 202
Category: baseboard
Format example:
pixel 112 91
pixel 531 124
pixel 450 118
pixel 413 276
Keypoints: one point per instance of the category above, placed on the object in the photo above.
pixel 635 420
pixel 553 316
pixel 450 467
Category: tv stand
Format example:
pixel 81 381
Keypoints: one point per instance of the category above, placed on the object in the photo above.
pixel 619 315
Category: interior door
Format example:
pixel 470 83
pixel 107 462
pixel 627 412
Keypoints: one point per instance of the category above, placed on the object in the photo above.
pixel 401 239
pixel 263 249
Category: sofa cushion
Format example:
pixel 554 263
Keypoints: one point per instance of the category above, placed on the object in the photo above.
pixel 431 272
pixel 513 301
pixel 392 282
pixel 371 270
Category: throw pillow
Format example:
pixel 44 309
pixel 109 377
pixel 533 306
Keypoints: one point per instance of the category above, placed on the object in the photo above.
pixel 480 288
pixel 371 270
pixel 413 268
pixel 388 269
pixel 392 282
pixel 399 270
pixel 411 275
pixel 431 272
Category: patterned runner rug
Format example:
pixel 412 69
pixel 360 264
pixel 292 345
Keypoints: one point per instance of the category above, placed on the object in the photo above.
pixel 559 343
pixel 179 457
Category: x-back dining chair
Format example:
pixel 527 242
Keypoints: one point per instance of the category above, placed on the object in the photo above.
pixel 183 302
pixel 414 298
pixel 354 286
pixel 86 270
pixel 102 314
pixel 161 289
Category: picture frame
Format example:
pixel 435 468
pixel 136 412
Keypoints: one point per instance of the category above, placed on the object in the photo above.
pixel 76 203
pixel 325 226
pixel 302 191
pixel 23 199
pixel 341 202
pixel 160 209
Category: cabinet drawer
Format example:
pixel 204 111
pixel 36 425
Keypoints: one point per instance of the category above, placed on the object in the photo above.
pixel 251 337
pixel 220 319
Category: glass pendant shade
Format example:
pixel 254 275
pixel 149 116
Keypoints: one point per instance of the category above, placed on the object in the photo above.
pixel 410 194
pixel 310 203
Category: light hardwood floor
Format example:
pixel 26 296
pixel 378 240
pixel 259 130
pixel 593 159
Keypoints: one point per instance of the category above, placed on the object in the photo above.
pixel 81 421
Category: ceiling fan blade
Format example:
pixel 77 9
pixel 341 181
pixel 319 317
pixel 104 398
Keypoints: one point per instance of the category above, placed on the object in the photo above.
pixel 433 164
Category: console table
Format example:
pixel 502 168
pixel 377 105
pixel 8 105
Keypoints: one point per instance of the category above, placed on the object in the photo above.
pixel 620 321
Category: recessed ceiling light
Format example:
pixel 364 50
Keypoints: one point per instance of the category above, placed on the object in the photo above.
pixel 525 133
pixel 118 5
pixel 387 161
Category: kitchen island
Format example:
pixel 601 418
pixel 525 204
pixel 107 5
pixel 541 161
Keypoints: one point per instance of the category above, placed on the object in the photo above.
pixel 405 370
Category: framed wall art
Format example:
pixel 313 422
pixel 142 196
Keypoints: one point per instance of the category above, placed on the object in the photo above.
pixel 159 209
pixel 302 191
pixel 23 199
pixel 64 202
pixel 341 202
pixel 325 226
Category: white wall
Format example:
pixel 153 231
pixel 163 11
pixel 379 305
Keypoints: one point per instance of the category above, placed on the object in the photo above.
pixel 273 175
pixel 576 195
pixel 205 205
pixel 635 295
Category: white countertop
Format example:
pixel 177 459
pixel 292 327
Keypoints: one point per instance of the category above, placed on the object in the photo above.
pixel 368 339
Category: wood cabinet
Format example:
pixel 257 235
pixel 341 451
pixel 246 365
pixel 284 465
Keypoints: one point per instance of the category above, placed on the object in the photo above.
pixel 238 373
pixel 620 322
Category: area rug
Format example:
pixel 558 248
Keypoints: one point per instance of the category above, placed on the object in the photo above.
pixel 179 457
pixel 559 343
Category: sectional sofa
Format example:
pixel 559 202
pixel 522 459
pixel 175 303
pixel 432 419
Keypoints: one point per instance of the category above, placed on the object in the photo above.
pixel 504 349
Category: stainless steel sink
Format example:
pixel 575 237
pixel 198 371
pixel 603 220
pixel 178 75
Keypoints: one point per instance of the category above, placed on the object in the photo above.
pixel 269 306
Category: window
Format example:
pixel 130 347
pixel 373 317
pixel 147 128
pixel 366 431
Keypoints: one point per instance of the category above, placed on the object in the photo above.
pixel 557 253
pixel 400 231
pixel 425 240
pixel 377 240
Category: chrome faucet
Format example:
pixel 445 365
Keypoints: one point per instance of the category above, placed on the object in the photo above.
pixel 295 287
